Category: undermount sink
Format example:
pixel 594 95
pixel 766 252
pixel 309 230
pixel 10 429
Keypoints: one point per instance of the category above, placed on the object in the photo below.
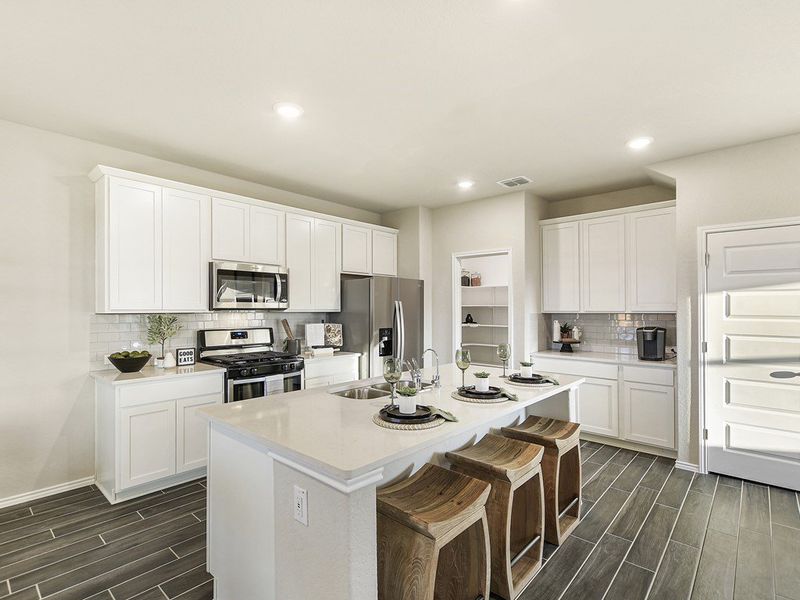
pixel 362 393
pixel 385 387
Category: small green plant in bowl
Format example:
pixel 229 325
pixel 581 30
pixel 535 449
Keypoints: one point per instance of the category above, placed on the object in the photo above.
pixel 482 381
pixel 526 369
pixel 407 391
pixel 129 362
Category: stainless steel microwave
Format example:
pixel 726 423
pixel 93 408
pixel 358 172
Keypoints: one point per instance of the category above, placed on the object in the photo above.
pixel 248 286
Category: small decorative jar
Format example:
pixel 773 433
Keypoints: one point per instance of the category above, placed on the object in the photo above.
pixel 526 369
pixel 482 381
pixel 476 279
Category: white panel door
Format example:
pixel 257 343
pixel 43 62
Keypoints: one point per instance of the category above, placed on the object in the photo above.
pixel 230 231
pixel 598 407
pixel 561 267
pixel 134 264
pixel 356 250
pixel 752 365
pixel 603 264
pixel 651 261
pixel 299 254
pixel 192 432
pixel 648 414
pixel 384 253
pixel 147 443
pixel 187 250
pixel 326 265
pixel 267 236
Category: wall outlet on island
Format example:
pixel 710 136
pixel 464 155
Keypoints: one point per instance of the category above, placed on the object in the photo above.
pixel 300 505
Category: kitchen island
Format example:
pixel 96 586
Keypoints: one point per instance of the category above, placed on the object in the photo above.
pixel 292 481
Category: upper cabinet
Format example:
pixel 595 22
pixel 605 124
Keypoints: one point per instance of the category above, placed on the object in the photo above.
pixel 651 261
pixel 153 247
pixel 603 264
pixel 356 250
pixel 245 232
pixel 313 258
pixel 619 261
pixel 384 253
pixel 561 267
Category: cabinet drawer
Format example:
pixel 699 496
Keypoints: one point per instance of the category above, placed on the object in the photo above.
pixel 172 389
pixel 575 367
pixel 654 375
pixel 331 366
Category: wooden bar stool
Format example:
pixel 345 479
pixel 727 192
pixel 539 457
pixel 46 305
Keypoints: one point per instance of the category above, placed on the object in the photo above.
pixel 515 508
pixel 561 467
pixel 433 537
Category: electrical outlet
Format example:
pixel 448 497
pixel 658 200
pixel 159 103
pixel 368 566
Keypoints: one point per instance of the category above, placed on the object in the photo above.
pixel 300 505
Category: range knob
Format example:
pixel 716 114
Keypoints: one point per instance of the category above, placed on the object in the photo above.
pixel 244 372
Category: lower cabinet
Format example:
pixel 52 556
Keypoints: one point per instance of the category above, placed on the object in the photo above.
pixel 598 406
pixel 325 371
pixel 149 433
pixel 648 414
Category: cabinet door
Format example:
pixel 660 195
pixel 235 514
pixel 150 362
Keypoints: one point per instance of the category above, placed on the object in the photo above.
pixel 134 252
pixel 561 267
pixel 603 264
pixel 230 231
pixel 147 443
pixel 651 261
pixel 192 432
pixel 598 407
pixel 356 250
pixel 187 250
pixel 267 236
pixel 648 414
pixel 327 265
pixel 299 252
pixel 384 253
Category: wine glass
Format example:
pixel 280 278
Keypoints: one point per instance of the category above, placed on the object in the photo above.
pixel 504 353
pixel 463 360
pixel 392 373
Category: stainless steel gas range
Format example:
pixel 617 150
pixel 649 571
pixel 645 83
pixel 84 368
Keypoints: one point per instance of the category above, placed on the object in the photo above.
pixel 253 368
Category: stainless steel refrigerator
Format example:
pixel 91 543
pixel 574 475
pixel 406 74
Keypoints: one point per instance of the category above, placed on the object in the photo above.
pixel 382 317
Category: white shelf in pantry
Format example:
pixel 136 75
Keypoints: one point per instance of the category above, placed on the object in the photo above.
pixel 479 345
pixel 484 364
pixel 484 306
pixel 476 325
pixel 478 287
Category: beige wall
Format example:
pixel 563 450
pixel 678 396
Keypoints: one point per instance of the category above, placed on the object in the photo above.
pixel 47 287
pixel 620 199
pixel 745 183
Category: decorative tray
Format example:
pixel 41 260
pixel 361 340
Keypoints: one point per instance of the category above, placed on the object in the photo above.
pixel 392 414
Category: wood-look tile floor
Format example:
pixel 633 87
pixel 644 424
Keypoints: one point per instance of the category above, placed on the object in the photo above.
pixel 76 546
pixel 651 531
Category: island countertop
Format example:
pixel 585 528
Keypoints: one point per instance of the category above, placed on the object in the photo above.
pixel 336 436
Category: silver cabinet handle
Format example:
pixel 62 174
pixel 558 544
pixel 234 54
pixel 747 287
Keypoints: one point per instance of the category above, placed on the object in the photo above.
pixel 783 374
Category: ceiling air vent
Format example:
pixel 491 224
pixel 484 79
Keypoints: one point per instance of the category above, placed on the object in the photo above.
pixel 513 182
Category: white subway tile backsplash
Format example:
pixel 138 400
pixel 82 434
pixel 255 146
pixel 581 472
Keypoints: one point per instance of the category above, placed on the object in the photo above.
pixel 613 332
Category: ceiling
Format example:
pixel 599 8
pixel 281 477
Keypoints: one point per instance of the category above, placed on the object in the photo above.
pixel 405 97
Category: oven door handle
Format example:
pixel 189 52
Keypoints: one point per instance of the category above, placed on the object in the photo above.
pixel 235 382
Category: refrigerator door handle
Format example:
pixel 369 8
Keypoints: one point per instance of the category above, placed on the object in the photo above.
pixel 399 330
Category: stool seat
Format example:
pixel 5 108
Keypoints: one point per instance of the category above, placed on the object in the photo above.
pixel 551 433
pixel 505 458
pixel 433 500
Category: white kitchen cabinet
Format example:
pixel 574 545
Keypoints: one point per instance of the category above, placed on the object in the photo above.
pixel 313 258
pixel 384 253
pixel 186 226
pixel 267 236
pixel 129 256
pixel 299 257
pixel 598 406
pixel 651 261
pixel 245 232
pixel 356 250
pixel 561 267
pixel 648 413
pixel 191 451
pixel 603 264
pixel 148 435
pixel 230 232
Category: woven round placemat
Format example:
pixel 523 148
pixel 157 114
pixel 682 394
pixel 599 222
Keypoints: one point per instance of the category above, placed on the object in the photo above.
pixel 457 396
pixel 529 385
pixel 376 418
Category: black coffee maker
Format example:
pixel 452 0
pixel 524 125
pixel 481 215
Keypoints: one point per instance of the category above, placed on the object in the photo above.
pixel 651 342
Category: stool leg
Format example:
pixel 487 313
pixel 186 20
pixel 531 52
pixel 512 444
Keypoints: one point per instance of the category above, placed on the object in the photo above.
pixel 406 562
pixel 526 525
pixel 463 565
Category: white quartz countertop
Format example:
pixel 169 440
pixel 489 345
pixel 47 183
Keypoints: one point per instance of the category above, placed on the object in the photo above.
pixel 150 373
pixel 336 436
pixel 340 354
pixel 607 357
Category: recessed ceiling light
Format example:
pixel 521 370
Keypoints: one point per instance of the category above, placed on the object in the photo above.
pixel 466 184
pixel 288 110
pixel 639 143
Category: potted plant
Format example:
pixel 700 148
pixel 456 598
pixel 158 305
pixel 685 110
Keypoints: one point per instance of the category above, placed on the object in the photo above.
pixel 566 331
pixel 481 381
pixel 407 400
pixel 526 369
pixel 160 328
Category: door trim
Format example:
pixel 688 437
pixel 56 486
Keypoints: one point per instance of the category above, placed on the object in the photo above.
pixel 702 291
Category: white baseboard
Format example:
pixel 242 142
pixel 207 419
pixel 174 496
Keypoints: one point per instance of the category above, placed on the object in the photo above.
pixel 687 466
pixel 44 492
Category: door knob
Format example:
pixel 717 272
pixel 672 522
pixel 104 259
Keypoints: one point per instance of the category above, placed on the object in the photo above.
pixel 784 374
